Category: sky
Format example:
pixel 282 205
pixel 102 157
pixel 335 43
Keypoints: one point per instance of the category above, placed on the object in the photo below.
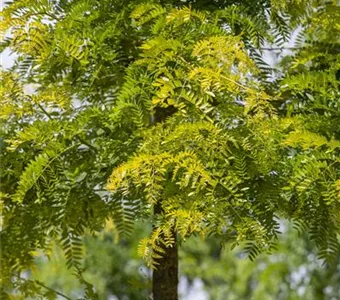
pixel 6 59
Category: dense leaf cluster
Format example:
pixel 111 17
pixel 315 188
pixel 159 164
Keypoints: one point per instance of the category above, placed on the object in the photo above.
pixel 115 107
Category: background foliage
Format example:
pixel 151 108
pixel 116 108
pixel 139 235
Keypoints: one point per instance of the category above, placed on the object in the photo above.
pixel 292 271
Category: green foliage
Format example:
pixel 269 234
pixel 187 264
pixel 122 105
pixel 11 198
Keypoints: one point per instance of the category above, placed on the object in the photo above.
pixel 134 106
pixel 291 272
pixel 110 264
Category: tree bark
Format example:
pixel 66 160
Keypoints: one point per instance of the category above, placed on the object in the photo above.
pixel 165 277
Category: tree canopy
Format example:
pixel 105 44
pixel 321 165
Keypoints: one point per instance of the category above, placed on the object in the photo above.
pixel 167 111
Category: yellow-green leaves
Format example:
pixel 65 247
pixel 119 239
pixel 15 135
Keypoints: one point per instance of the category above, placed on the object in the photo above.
pixel 185 14
pixel 308 140
pixel 146 12
pixel 20 101
pixel 224 52
pixel 149 173
pixel 159 47
pixel 31 175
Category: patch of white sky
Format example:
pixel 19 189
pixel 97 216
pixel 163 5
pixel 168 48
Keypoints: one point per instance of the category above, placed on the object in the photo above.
pixel 274 56
pixel 7 57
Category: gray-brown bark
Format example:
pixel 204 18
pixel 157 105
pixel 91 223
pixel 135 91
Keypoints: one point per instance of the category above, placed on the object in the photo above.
pixel 165 277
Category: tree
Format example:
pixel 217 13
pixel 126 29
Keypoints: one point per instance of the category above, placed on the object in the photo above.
pixel 174 106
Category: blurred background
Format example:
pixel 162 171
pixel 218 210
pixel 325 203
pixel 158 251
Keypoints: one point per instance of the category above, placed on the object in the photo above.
pixel 207 271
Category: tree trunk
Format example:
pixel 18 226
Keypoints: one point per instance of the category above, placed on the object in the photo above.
pixel 165 277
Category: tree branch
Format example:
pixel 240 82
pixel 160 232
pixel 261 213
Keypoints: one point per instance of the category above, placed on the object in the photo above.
pixel 52 290
pixel 280 48
pixel 44 111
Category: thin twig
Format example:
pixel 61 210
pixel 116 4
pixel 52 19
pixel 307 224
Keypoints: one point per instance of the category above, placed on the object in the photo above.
pixel 280 48
pixel 44 111
pixel 44 13
pixel 52 290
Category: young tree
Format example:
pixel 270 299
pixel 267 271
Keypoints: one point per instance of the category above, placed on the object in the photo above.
pixel 169 104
